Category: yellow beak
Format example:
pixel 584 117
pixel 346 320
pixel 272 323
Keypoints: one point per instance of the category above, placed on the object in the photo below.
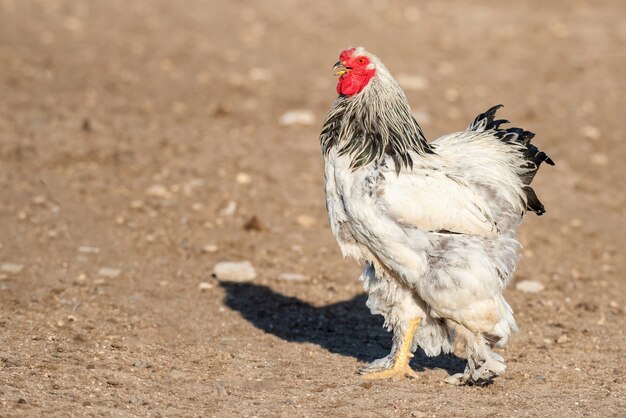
pixel 339 69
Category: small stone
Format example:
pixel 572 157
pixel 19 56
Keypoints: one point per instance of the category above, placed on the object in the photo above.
pixel 135 204
pixel 229 209
pixel 12 268
pixel 136 400
pixel 39 200
pixel 558 28
pixel 73 24
pixel 253 224
pixel 86 249
pixel 202 286
pixel 306 221
pixel 529 286
pixel 590 132
pixel 562 339
pixel 159 191
pixel 243 178
pixel 179 107
pixel 71 318
pixel 219 389
pixel 297 117
pixel 259 74
pixel 210 248
pixel 452 95
pixel 190 186
pixel 412 14
pixel 236 271
pixel 412 82
pixel 109 272
pixel 599 159
pixel 292 277
pixel 142 364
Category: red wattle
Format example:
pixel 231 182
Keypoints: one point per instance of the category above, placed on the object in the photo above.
pixel 352 82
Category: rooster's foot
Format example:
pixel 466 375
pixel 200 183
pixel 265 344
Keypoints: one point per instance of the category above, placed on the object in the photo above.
pixel 395 365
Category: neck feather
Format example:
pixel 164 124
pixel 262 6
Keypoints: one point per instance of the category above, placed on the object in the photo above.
pixel 372 124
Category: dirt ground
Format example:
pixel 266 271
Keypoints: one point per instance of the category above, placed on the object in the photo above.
pixel 138 138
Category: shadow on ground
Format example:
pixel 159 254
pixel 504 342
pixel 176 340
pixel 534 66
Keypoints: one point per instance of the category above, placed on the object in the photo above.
pixel 346 328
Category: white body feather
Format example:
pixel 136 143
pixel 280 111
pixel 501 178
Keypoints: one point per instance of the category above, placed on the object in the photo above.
pixel 390 219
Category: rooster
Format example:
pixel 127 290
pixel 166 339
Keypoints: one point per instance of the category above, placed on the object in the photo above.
pixel 434 224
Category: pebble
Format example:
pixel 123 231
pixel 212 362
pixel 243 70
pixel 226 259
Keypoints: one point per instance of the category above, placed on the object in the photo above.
pixel 39 200
pixel 562 339
pixel 193 184
pixel 600 159
pixel 159 190
pixel 12 268
pixel 452 95
pixel 135 204
pixel 202 286
pixel 292 277
pixel 210 248
pixel 109 272
pixel 259 74
pixel 142 364
pixel 529 286
pixel 236 271
pixel 86 249
pixel 412 82
pixel 219 389
pixel 297 117
pixel 253 224
pixel 243 178
pixel 590 132
pixel 305 221
pixel 137 400
pixel 229 209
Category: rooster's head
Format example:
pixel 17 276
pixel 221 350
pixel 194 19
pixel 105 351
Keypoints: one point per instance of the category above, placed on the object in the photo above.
pixel 355 69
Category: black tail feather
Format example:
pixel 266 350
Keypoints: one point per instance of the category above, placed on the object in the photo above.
pixel 516 136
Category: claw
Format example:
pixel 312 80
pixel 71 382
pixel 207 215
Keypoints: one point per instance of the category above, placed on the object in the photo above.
pixel 395 373
pixel 455 379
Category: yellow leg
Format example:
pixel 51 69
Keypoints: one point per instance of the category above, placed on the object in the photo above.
pixel 401 359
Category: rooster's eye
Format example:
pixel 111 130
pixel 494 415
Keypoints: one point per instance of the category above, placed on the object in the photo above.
pixel 361 60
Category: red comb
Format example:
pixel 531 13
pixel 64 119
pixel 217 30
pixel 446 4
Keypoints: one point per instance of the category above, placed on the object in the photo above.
pixel 346 54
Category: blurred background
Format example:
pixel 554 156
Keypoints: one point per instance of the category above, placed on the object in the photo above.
pixel 143 142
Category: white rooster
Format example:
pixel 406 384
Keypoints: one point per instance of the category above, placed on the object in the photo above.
pixel 434 224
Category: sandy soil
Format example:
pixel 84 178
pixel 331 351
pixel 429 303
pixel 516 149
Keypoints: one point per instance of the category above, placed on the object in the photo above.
pixel 127 128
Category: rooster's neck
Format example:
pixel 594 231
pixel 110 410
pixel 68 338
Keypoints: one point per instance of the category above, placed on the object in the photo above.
pixel 372 124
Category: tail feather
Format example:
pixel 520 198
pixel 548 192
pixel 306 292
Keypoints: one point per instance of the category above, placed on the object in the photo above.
pixel 533 157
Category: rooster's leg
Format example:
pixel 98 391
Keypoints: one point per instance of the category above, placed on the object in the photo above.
pixel 397 364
